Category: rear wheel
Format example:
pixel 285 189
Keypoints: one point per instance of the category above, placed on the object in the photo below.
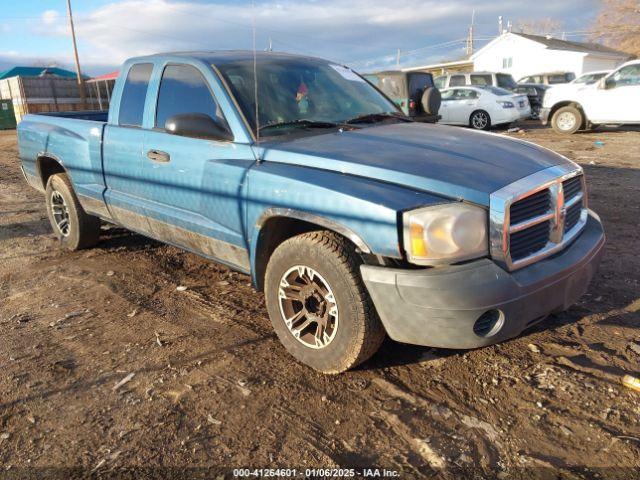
pixel 318 304
pixel 75 228
pixel 567 120
pixel 480 120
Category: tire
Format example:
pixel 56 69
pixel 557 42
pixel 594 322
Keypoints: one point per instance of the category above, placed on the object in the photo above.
pixel 431 100
pixel 80 230
pixel 480 120
pixel 352 327
pixel 567 120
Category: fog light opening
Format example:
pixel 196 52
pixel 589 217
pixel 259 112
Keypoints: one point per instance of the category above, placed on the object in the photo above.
pixel 489 323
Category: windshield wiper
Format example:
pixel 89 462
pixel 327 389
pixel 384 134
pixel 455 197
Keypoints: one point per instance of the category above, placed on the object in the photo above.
pixel 301 123
pixel 377 117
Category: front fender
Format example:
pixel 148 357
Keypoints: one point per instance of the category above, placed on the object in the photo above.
pixel 365 211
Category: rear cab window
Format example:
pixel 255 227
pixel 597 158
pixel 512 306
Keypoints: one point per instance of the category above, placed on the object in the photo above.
pixel 134 95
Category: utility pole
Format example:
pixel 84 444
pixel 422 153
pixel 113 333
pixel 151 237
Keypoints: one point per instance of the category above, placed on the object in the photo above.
pixel 470 35
pixel 500 31
pixel 80 80
pixel 398 59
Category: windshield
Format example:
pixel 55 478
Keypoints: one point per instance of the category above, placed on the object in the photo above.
pixel 301 92
pixel 589 78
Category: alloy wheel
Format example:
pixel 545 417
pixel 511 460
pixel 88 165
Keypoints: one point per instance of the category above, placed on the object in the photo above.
pixel 308 307
pixel 60 212
pixel 480 120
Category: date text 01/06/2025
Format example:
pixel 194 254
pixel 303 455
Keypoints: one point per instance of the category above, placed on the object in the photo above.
pixel 315 472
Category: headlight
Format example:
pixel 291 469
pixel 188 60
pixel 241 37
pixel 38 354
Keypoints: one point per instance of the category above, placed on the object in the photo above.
pixel 444 234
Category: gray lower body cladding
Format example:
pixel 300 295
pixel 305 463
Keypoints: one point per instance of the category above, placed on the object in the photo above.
pixel 441 307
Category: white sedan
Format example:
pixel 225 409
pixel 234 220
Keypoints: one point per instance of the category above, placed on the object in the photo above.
pixel 482 107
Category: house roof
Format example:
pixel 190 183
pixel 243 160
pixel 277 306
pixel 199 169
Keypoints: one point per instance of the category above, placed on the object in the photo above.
pixel 106 76
pixel 557 44
pixel 36 72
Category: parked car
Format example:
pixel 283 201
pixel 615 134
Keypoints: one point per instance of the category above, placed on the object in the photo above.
pixel 478 79
pixel 535 93
pixel 481 108
pixel 590 77
pixel 351 218
pixel 552 78
pixel 413 92
pixel 614 99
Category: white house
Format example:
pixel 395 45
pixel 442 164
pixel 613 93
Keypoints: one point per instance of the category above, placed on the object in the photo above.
pixel 522 54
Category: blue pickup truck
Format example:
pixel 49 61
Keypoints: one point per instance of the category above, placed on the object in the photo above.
pixel 355 221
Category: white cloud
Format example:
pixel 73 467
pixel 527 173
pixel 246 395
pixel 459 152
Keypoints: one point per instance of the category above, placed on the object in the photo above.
pixel 50 17
pixel 336 29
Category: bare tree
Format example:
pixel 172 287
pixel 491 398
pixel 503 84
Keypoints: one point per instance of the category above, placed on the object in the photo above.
pixel 618 25
pixel 539 26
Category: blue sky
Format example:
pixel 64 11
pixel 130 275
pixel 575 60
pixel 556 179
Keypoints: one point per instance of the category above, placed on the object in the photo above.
pixel 362 33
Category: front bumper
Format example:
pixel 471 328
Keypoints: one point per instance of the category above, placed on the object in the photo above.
pixel 439 307
pixel 544 115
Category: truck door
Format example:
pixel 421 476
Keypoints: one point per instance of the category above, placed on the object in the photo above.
pixel 616 101
pixel 122 151
pixel 192 186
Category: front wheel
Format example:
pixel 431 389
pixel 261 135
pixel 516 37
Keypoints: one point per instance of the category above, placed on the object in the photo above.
pixel 480 120
pixel 318 304
pixel 567 120
pixel 74 227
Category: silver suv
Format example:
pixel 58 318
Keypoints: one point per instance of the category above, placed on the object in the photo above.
pixel 479 79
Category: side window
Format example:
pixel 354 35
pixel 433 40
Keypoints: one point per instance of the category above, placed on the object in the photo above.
pixel 457 81
pixel 466 94
pixel 448 95
pixel 440 82
pixel 134 94
pixel 629 75
pixel 183 89
pixel 481 80
pixel 557 79
pixel 391 86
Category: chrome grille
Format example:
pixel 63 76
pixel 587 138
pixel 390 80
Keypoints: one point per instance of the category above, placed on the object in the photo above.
pixel 572 187
pixel 531 240
pixel 529 207
pixel 537 216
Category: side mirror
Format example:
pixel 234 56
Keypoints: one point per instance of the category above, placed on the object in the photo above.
pixel 606 83
pixel 197 125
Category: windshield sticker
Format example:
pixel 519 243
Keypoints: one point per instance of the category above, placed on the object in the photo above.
pixel 347 73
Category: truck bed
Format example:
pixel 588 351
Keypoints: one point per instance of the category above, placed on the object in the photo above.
pixel 93 115
pixel 74 140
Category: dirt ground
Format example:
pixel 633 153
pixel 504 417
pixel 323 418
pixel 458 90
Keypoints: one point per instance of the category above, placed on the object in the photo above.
pixel 109 371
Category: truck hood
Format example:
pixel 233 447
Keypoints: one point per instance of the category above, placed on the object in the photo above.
pixel 448 161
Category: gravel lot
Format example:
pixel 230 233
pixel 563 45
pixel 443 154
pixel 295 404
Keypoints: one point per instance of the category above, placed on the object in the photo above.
pixel 108 370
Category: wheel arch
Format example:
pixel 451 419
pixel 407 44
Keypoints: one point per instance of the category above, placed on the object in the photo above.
pixel 277 225
pixel 46 166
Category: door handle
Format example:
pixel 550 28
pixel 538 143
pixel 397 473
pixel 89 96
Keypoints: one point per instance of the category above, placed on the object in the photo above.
pixel 158 156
